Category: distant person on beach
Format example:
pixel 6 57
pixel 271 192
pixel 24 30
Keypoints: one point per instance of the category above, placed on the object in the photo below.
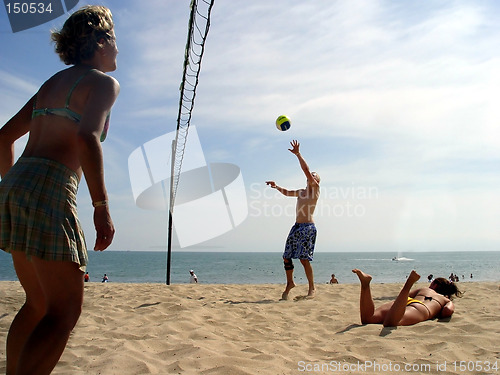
pixel 86 278
pixel 333 280
pixel 66 120
pixel 193 279
pixel 302 237
pixel 105 278
pixel 410 307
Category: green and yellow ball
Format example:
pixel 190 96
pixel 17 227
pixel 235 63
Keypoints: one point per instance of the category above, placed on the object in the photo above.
pixel 283 123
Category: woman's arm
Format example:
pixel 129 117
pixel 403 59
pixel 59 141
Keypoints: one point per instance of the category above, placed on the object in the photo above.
pixel 98 105
pixel 447 310
pixel 14 129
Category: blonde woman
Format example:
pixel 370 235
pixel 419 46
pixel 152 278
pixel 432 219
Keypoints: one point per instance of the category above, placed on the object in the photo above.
pixel 66 120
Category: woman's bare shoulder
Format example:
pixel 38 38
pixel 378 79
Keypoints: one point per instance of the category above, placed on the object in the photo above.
pixel 424 290
pixel 103 80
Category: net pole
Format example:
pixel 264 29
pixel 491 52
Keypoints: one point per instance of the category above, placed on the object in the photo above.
pixel 198 27
pixel 170 210
pixel 169 251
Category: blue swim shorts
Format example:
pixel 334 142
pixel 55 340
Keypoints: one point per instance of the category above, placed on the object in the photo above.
pixel 300 242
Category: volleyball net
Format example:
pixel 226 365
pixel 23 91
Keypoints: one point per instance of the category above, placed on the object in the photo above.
pixel 199 25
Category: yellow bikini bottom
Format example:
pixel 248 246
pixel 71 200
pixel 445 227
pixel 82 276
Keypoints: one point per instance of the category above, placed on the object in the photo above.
pixel 413 300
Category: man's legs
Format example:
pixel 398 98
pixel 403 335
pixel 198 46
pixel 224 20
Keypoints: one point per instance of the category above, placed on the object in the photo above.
pixel 288 263
pixel 310 277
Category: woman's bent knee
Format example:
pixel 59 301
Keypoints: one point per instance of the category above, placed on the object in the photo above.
pixel 64 319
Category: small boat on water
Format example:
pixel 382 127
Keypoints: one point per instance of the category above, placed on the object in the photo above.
pixel 401 259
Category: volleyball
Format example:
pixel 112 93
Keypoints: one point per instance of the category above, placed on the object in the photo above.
pixel 283 123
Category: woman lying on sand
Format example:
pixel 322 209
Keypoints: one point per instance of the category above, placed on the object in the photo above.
pixel 409 307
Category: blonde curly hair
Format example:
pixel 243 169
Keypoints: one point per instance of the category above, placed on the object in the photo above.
pixel 78 39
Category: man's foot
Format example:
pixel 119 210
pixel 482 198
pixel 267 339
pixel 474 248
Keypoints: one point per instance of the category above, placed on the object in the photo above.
pixel 289 287
pixel 364 278
pixel 311 294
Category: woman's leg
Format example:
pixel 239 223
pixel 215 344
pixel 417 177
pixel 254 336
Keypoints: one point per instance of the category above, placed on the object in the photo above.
pixel 366 305
pixel 398 309
pixel 30 313
pixel 62 286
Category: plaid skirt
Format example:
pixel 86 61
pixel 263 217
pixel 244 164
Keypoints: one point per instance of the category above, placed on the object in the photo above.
pixel 38 212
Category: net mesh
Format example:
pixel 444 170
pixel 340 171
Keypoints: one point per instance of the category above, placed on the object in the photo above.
pixel 199 24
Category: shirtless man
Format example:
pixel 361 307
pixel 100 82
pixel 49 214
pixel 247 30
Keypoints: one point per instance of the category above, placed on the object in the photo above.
pixel 302 237
pixel 410 306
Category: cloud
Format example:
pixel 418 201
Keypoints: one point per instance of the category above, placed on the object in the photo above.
pixel 396 95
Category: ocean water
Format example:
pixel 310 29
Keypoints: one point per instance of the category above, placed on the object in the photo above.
pixel 267 268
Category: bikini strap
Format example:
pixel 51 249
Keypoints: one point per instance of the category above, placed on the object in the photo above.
pixel 68 97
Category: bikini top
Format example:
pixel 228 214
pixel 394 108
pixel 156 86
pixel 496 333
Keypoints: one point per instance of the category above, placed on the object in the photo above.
pixel 428 298
pixel 66 111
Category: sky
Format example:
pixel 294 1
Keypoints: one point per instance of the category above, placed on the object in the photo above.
pixel 394 103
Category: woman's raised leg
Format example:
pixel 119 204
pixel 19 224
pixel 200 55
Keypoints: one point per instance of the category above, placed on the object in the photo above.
pixel 366 305
pixel 398 309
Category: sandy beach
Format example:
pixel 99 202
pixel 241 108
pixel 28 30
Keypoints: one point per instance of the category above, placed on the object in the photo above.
pixel 128 329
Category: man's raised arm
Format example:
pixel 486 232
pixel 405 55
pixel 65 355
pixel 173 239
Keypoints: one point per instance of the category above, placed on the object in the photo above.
pixel 295 150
